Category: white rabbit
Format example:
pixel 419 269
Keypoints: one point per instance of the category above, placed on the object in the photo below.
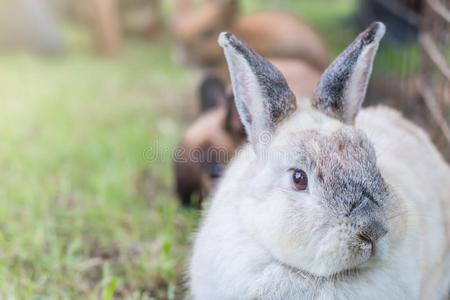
pixel 324 203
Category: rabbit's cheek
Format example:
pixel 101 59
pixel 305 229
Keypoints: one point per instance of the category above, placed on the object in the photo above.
pixel 287 229
pixel 263 218
pixel 327 250
pixel 337 252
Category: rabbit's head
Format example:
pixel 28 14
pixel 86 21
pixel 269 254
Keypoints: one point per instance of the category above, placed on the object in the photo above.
pixel 196 31
pixel 314 196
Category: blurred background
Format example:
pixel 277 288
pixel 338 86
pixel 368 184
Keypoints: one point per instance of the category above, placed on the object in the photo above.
pixel 96 94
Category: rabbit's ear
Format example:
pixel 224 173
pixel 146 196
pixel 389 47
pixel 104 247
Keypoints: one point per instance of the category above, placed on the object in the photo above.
pixel 233 124
pixel 212 93
pixel 261 93
pixel 342 87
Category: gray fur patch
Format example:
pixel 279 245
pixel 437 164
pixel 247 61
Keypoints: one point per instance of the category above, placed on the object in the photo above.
pixel 345 165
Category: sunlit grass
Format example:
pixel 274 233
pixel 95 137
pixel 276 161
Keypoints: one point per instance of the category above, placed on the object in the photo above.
pixel 84 211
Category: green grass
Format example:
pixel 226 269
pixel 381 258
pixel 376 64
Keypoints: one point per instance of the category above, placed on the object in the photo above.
pixel 85 213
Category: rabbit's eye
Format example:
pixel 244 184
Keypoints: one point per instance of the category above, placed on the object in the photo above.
pixel 300 179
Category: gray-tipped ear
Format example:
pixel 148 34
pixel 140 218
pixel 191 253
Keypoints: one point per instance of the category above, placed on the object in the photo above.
pixel 342 87
pixel 261 93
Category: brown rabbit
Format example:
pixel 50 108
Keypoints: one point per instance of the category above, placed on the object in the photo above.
pixel 273 34
pixel 208 144
pixel 211 141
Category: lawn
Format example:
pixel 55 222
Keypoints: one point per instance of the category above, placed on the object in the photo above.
pixel 87 209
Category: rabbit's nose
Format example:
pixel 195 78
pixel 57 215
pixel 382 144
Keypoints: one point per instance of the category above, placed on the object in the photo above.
pixel 370 233
pixel 365 238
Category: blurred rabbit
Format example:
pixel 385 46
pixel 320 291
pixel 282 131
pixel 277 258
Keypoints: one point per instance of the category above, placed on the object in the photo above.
pixel 211 141
pixel 273 34
pixel 327 201
pixel 208 144
pixel 212 93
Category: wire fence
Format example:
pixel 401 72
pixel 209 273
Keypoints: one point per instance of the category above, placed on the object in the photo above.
pixel 434 80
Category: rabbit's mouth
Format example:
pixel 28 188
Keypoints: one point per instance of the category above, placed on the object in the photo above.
pixel 341 275
pixel 334 277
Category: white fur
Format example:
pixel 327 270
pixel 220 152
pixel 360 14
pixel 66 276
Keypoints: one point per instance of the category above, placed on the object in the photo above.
pixel 231 259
